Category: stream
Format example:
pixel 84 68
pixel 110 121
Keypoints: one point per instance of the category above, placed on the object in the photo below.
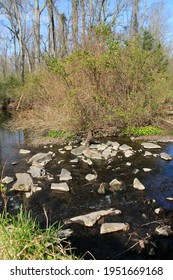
pixel 137 207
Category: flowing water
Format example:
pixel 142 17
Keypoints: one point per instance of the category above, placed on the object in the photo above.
pixel 137 206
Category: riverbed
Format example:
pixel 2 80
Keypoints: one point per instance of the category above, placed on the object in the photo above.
pixel 138 208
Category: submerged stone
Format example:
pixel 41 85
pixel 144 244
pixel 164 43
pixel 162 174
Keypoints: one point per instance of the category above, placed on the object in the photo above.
pixel 115 185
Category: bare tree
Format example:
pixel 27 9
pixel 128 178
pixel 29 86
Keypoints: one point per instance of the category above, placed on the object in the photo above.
pixel 75 12
pixel 37 13
pixel 52 33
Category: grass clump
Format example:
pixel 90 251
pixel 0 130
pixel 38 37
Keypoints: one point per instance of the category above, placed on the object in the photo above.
pixel 22 239
pixel 142 131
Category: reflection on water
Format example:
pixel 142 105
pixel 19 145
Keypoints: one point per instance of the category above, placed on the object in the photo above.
pixel 9 144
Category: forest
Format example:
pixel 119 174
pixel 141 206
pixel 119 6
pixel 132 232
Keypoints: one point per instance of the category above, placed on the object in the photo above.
pixel 72 66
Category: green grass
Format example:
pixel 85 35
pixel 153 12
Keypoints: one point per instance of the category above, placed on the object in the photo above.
pixel 22 239
pixel 60 134
pixel 142 131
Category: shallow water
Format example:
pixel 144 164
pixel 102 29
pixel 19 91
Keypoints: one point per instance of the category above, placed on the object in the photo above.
pixel 137 207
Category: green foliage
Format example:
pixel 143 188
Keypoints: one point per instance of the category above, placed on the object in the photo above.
pixel 8 86
pixel 142 131
pixel 60 134
pixel 22 239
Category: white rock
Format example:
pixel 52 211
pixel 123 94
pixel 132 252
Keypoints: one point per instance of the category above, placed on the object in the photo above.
pixel 164 230
pixel 88 161
pixel 7 180
pixel 76 160
pixel 78 151
pixel 113 227
pixel 115 185
pixel 169 198
pixel 60 187
pixel 158 210
pixel 114 145
pixel 65 175
pixel 125 147
pixel 37 172
pixel 102 147
pixel 148 145
pixel 165 156
pixel 41 159
pixel 90 177
pixel 147 154
pixel 128 153
pixel 90 219
pixel 90 153
pixel 147 169
pixel 24 182
pixel 23 151
pixel 68 148
pixel 128 163
pixel 138 185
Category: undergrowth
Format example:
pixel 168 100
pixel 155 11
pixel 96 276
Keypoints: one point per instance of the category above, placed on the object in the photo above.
pixel 111 83
pixel 142 131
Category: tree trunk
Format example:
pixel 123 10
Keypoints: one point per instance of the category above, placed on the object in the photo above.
pixel 83 21
pixel 135 17
pixel 52 35
pixel 75 4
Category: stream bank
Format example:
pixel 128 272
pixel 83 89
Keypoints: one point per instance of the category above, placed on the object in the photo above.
pixel 144 211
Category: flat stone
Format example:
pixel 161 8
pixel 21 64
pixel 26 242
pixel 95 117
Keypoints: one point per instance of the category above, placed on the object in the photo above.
pixel 35 188
pixel 65 175
pixel 128 163
pixel 90 177
pixel 7 180
pixel 78 151
pixel 37 172
pixel 68 148
pixel 165 156
pixel 107 153
pixel 147 169
pixel 102 147
pixel 115 185
pixel 128 153
pixel 88 161
pixel 147 154
pixel 23 151
pixel 148 145
pixel 169 198
pixel 90 153
pixel 90 219
pixel 24 182
pixel 60 187
pixel 114 145
pixel 41 159
pixel 164 230
pixel 138 185
pixel 113 227
pixel 125 147
pixel 75 160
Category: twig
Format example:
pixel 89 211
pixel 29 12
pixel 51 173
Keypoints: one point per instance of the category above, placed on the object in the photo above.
pixel 153 222
pixel 47 220
pixel 134 245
